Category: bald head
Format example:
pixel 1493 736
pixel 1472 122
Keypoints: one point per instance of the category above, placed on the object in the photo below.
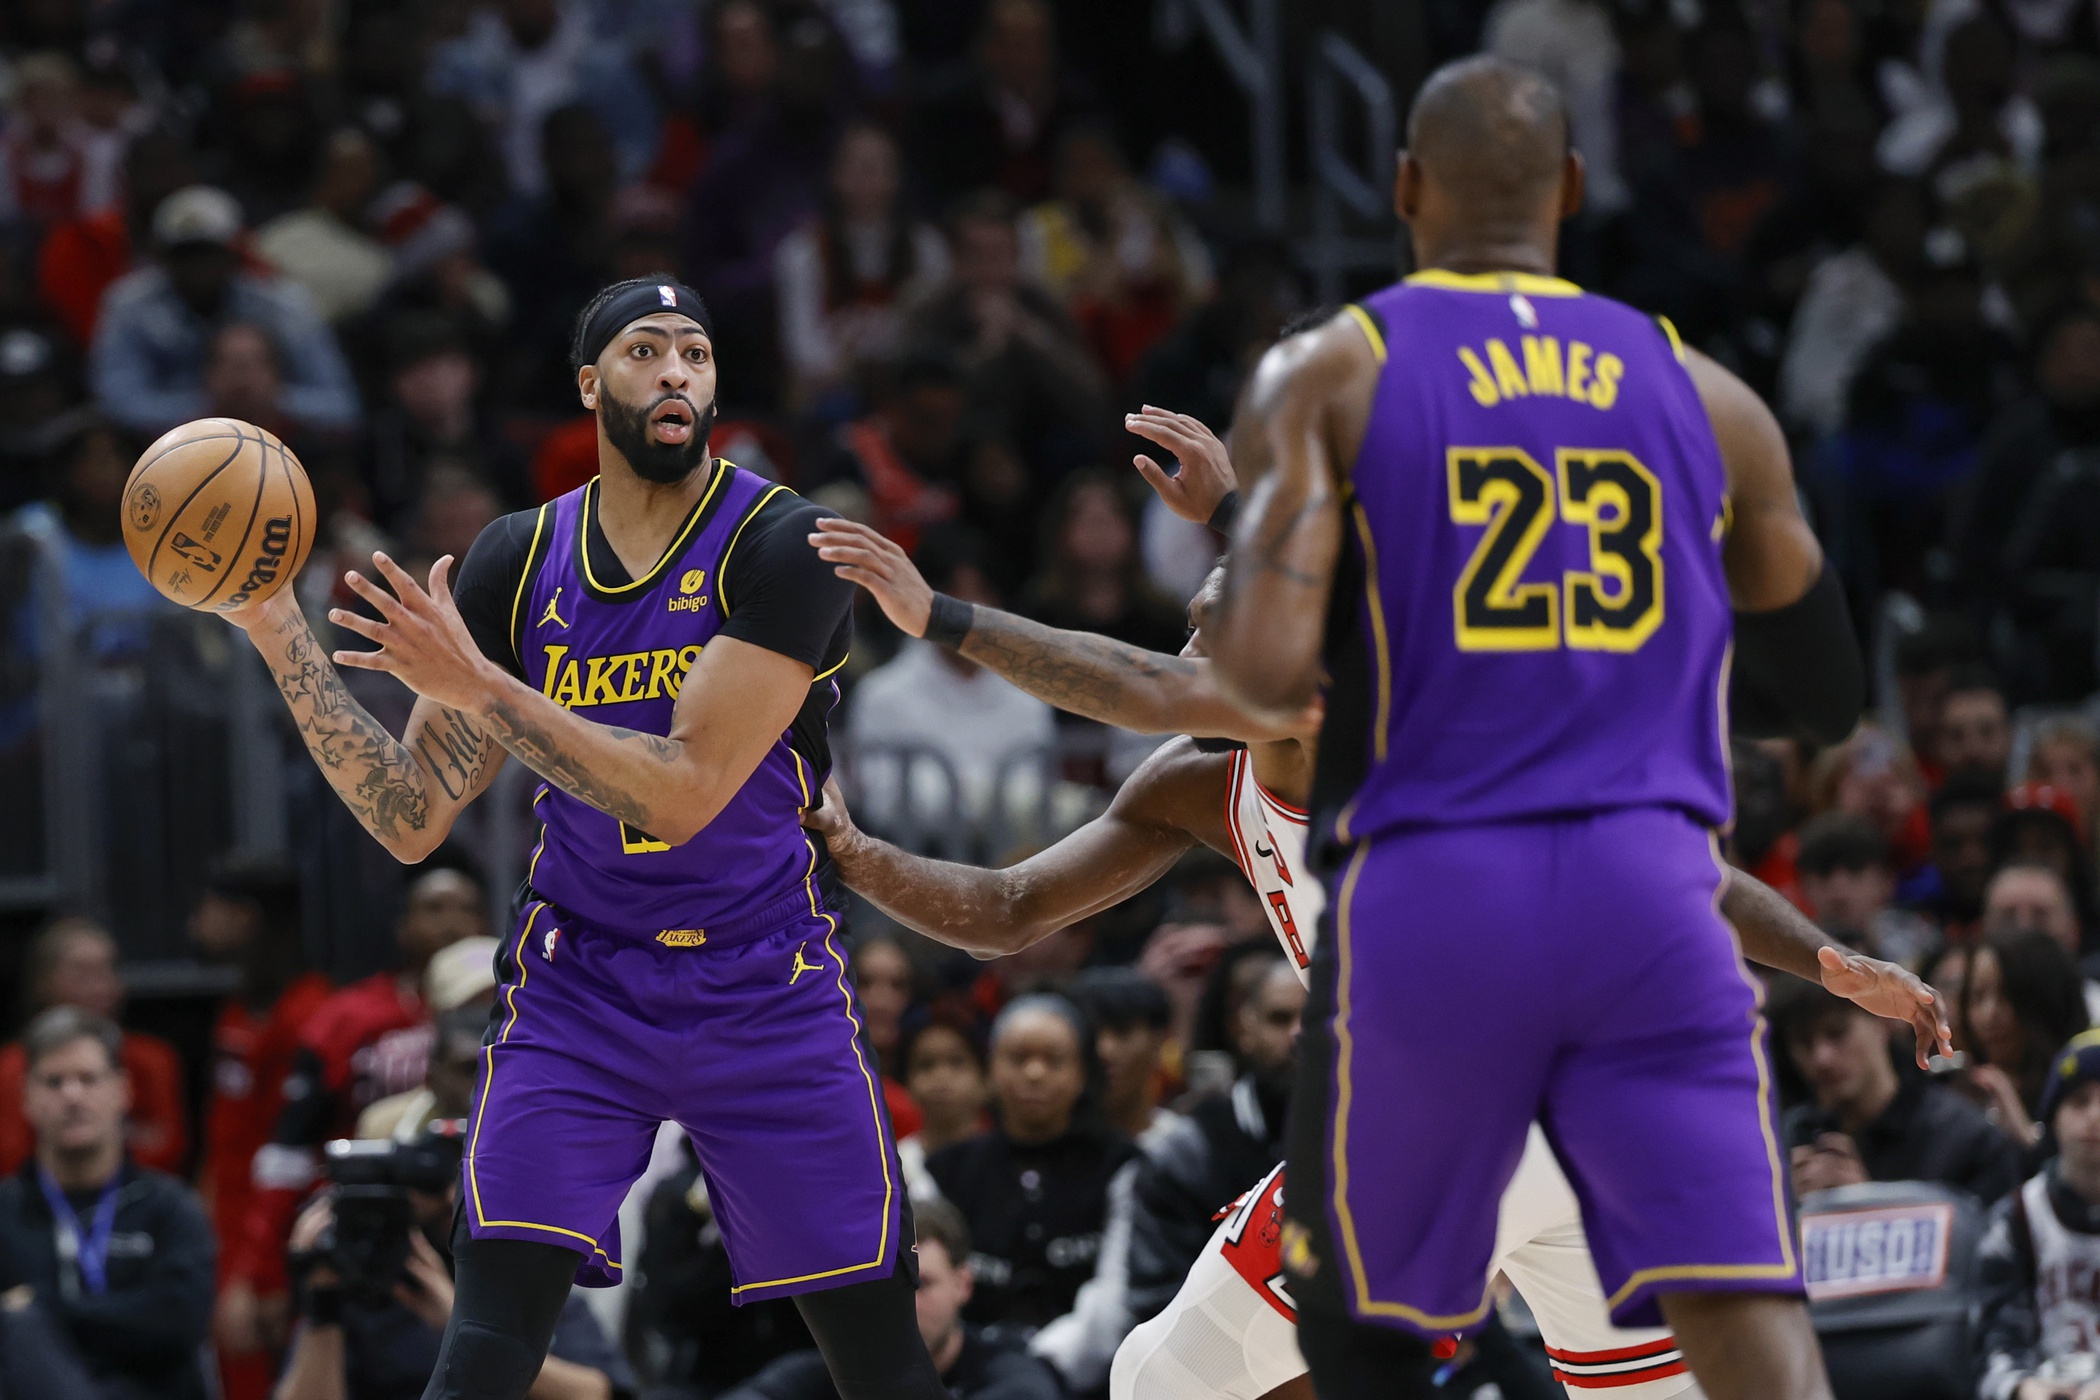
pixel 1487 158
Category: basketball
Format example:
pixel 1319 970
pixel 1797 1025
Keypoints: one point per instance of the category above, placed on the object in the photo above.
pixel 218 514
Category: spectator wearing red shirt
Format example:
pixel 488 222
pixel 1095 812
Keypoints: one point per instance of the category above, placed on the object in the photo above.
pixel 249 918
pixel 73 962
pixel 370 1039
pixel 81 257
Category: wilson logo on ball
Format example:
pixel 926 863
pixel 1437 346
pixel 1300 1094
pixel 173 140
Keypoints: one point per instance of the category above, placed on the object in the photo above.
pixel 277 538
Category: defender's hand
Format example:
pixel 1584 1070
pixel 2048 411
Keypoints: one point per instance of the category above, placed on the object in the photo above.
pixel 829 818
pixel 1206 474
pixel 874 561
pixel 1888 990
pixel 423 641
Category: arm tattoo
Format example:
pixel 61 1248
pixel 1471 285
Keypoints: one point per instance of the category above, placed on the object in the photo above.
pixel 543 752
pixel 1074 671
pixel 371 770
pixel 455 752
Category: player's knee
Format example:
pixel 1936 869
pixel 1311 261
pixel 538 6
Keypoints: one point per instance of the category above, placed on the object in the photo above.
pixel 482 1363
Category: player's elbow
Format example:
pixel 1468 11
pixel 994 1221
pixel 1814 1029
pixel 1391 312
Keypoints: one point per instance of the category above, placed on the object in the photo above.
pixel 415 846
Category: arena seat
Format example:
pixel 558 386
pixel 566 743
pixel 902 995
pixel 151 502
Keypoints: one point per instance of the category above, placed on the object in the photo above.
pixel 1891 1273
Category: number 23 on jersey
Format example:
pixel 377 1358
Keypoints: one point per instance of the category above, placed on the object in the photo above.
pixel 1614 605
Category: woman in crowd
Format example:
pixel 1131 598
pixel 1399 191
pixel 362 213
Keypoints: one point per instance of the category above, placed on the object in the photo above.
pixel 1035 1188
pixel 2020 1000
pixel 944 1071
pixel 1092 576
pixel 884 983
pixel 845 279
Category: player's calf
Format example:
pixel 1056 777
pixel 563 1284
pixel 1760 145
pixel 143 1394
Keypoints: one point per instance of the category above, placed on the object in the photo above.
pixel 1748 1346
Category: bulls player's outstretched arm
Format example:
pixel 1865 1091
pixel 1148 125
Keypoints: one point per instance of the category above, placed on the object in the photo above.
pixel 1100 678
pixel 1797 663
pixel 1164 808
pixel 1293 441
pixel 407 791
pixel 735 704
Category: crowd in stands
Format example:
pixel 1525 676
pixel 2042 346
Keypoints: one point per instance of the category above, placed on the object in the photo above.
pixel 946 244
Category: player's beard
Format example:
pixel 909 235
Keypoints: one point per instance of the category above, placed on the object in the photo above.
pixel 665 463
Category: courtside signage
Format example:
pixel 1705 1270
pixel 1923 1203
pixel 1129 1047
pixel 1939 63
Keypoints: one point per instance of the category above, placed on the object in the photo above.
pixel 1890 1249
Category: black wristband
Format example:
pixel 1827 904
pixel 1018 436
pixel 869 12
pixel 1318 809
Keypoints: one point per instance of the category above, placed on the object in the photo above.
pixel 948 622
pixel 1228 511
pixel 324 1306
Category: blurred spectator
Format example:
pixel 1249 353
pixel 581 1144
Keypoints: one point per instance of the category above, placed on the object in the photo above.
pixel 883 986
pixel 1963 813
pixel 2035 1336
pixel 521 59
pixel 1927 661
pixel 454 509
pixel 369 1039
pixel 932 697
pixel 431 421
pixel 972 1365
pixel 437 271
pixel 2041 826
pixel 1198 368
pixel 845 280
pixel 241 376
pixel 150 345
pixel 349 1347
pixel 82 257
pixel 2020 1000
pixel 1853 301
pixel 2024 898
pixel 1126 266
pixel 1961 105
pixel 1571 42
pixel 1034 1190
pixel 73 962
pixel 944 1071
pixel 909 454
pixel 1870 1121
pixel 54 165
pixel 39 410
pixel 108 599
pixel 266 128
pixel 2066 757
pixel 1849 889
pixel 1030 376
pixel 249 918
pixel 683 1333
pixel 1091 577
pixel 1974 732
pixel 998 121
pixel 82 1318
pixel 1132 1019
pixel 459 987
pixel 1226 1144
pixel 322 246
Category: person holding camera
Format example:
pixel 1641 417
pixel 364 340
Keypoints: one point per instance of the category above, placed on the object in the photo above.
pixel 375 1292
pixel 106 1267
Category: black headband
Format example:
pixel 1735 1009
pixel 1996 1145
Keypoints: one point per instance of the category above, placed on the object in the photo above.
pixel 622 309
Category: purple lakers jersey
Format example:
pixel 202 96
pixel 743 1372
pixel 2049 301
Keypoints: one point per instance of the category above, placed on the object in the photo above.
pixel 1537 514
pixel 617 654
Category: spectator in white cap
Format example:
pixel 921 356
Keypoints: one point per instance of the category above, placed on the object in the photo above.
pixel 459 986
pixel 157 323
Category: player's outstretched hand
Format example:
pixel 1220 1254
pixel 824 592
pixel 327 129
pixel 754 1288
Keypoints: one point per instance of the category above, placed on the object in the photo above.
pixel 1206 474
pixel 829 818
pixel 1892 991
pixel 423 641
pixel 874 561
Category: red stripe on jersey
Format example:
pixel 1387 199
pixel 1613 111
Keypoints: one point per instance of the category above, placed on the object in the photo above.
pixel 1232 812
pixel 1590 1358
pixel 1299 814
pixel 1612 1380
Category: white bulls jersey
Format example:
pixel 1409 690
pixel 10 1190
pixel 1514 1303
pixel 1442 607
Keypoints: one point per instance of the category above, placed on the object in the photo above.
pixel 1231 1331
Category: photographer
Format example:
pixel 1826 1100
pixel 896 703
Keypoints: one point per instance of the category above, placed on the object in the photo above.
pixel 375 1291
pixel 105 1266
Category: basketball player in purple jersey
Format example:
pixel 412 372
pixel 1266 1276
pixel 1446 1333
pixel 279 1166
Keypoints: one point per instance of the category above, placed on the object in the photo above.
pixel 1532 511
pixel 658 647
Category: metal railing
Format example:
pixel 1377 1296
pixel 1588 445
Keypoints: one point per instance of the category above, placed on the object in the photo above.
pixel 1252 55
pixel 1359 186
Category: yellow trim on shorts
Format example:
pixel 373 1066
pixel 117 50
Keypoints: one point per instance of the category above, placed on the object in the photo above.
pixel 1531 284
pixel 1366 1305
pixel 889 1185
pixel 1370 329
pixel 1788 1266
pixel 488 1085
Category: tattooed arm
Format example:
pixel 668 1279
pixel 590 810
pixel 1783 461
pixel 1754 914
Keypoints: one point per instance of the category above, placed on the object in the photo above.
pixel 1097 677
pixel 1296 433
pixel 405 791
pixel 733 706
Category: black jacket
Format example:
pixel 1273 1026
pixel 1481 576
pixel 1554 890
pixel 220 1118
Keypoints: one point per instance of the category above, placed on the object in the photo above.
pixel 1928 1132
pixel 985 1369
pixel 1035 1213
pixel 2009 1341
pixel 1218 1151
pixel 149 1324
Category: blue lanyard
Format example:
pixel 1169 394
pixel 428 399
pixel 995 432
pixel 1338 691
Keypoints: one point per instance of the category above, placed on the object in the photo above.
pixel 90 1250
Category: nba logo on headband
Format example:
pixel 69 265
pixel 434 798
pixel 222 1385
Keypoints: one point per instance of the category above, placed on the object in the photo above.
pixel 667 295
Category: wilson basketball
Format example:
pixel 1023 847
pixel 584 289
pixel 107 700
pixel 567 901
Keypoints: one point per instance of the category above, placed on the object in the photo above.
pixel 218 514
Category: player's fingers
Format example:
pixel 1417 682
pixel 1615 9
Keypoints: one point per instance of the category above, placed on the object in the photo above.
pixel 364 660
pixel 441 584
pixel 372 593
pixel 854 557
pixel 1155 475
pixel 404 583
pixel 371 629
pixel 857 575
